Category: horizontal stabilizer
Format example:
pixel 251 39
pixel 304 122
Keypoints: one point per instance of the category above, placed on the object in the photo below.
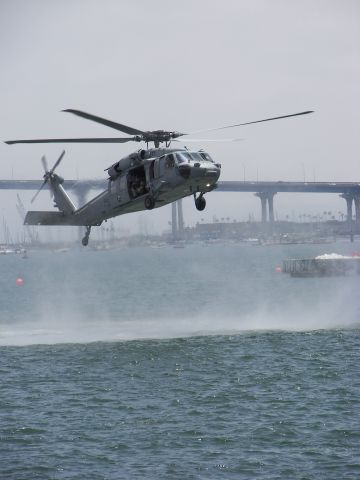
pixel 45 218
pixel 51 218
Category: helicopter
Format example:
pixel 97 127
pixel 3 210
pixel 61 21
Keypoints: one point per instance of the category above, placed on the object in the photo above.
pixel 143 180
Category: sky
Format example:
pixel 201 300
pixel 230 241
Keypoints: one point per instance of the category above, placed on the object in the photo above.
pixel 185 66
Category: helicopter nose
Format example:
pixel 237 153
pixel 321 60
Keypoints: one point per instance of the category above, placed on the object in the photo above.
pixel 197 171
pixel 200 171
pixel 185 171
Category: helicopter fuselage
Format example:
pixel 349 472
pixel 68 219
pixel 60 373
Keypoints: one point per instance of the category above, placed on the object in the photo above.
pixel 150 179
pixel 143 180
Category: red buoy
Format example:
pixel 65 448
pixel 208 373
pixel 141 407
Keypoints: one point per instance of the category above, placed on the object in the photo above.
pixel 19 281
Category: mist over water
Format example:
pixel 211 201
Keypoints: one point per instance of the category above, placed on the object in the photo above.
pixel 143 293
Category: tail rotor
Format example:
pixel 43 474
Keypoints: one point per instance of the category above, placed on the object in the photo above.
pixel 48 173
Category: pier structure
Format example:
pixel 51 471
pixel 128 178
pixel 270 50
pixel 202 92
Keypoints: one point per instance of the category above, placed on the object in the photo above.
pixel 322 266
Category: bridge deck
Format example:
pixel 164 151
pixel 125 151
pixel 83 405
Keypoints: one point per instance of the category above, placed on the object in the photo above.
pixel 224 186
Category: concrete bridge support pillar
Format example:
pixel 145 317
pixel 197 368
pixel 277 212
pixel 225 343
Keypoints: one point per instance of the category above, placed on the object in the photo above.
pixel 180 218
pixel 267 197
pixel 80 201
pixel 271 211
pixel 271 207
pixel 174 224
pixel 80 198
pixel 349 199
pixel 357 211
pixel 177 220
pixel 263 197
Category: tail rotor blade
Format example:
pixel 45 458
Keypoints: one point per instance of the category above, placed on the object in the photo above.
pixel 48 173
pixel 44 162
pixel 57 162
pixel 37 193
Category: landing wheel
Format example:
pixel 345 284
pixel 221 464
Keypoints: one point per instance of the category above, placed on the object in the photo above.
pixel 200 203
pixel 85 240
pixel 149 203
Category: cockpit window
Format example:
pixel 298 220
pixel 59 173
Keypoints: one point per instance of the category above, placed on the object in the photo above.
pixel 196 157
pixel 206 156
pixel 182 157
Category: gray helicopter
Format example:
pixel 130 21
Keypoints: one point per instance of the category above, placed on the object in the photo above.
pixel 146 179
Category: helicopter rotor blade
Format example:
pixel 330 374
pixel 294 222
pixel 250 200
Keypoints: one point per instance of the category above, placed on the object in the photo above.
pixel 156 136
pixel 189 140
pixel 77 140
pixel 255 121
pixel 107 123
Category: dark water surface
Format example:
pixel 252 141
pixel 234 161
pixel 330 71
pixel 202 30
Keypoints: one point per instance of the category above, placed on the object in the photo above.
pixel 198 363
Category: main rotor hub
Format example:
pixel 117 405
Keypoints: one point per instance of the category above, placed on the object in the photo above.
pixel 160 136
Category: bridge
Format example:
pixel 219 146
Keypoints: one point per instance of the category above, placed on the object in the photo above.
pixel 265 191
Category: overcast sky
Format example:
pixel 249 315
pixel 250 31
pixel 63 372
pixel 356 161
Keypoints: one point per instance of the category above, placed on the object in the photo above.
pixel 185 66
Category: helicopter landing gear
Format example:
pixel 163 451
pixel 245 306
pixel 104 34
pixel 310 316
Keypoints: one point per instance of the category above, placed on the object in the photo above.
pixel 149 202
pixel 85 240
pixel 200 202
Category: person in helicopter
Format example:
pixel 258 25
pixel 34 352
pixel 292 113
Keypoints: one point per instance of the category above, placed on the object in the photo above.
pixel 141 186
pixel 137 185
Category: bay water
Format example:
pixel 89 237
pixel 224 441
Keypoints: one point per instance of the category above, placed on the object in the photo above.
pixel 201 362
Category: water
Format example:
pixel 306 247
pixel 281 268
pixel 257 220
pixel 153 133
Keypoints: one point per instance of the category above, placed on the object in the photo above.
pixel 196 363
